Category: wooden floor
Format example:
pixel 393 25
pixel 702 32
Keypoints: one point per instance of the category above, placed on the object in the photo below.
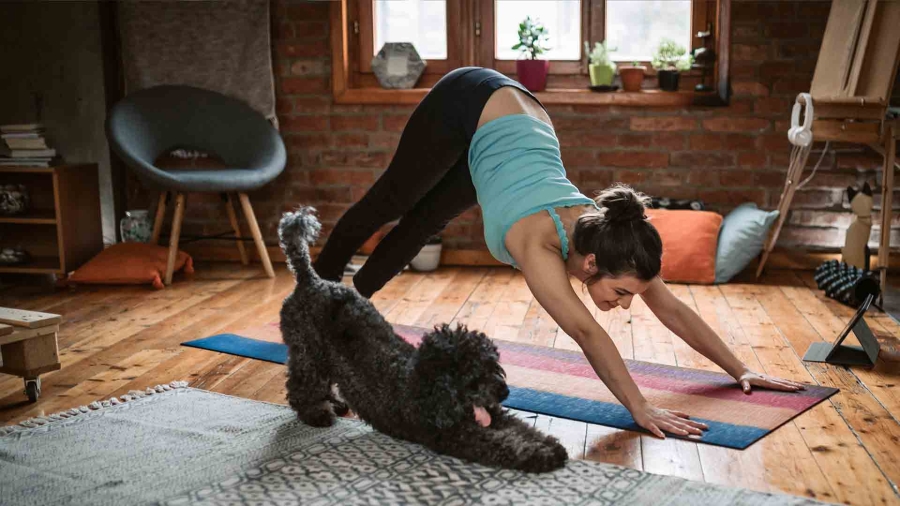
pixel 846 449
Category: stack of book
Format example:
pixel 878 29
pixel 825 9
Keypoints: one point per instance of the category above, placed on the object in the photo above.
pixel 25 146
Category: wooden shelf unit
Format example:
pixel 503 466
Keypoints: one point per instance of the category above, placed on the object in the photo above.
pixel 63 228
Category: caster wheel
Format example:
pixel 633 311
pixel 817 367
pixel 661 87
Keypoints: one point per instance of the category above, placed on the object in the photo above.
pixel 33 389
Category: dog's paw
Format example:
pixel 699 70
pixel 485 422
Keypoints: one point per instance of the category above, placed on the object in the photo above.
pixel 544 457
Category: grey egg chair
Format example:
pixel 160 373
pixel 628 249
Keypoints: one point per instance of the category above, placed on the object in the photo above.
pixel 154 121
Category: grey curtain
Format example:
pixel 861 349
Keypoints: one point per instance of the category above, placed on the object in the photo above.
pixel 218 45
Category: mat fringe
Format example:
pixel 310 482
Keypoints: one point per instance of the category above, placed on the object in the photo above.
pixel 94 406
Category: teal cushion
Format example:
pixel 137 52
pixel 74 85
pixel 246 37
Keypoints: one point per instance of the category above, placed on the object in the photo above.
pixel 741 239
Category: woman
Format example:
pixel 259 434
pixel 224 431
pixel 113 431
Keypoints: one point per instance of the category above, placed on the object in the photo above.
pixel 480 137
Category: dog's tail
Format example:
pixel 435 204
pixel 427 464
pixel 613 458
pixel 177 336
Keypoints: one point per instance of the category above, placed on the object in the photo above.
pixel 295 232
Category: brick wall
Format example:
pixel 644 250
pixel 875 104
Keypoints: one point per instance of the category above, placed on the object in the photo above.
pixel 723 156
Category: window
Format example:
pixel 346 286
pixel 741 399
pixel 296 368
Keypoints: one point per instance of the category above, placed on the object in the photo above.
pixel 453 33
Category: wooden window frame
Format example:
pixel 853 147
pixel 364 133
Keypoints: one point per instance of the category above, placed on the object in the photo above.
pixel 472 43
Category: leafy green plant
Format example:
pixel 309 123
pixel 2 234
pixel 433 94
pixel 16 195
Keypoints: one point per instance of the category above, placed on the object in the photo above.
pixel 671 56
pixel 532 38
pixel 600 54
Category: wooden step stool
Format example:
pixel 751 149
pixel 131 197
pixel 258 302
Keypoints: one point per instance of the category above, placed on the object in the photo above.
pixel 28 346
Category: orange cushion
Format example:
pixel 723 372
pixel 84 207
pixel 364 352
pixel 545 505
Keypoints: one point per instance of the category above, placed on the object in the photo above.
pixel 130 263
pixel 690 239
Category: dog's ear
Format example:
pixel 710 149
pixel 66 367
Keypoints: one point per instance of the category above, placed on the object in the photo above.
pixel 866 189
pixel 851 192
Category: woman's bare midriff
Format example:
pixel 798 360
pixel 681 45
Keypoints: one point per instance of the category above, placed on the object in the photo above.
pixel 510 100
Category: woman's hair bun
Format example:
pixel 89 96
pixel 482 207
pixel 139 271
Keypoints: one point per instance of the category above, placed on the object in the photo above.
pixel 622 204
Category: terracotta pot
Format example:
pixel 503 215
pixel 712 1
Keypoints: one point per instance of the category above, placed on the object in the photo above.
pixel 632 77
pixel 533 73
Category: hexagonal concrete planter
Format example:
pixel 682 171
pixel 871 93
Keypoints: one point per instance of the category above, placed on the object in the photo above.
pixel 398 65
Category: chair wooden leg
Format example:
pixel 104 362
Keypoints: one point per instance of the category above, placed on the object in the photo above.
pixel 887 193
pixel 257 235
pixel 160 217
pixel 173 240
pixel 232 216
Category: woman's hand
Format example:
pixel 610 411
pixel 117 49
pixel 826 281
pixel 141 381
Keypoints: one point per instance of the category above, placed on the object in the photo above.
pixel 752 379
pixel 657 420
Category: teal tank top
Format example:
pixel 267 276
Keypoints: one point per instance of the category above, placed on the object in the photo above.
pixel 517 171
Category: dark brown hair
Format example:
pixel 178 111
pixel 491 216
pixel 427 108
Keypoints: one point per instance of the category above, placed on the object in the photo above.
pixel 620 236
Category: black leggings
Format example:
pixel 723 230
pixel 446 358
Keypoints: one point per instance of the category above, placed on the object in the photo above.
pixel 426 185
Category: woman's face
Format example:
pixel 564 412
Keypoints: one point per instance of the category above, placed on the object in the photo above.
pixel 610 293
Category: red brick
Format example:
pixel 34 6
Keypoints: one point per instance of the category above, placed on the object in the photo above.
pixel 669 177
pixel 597 179
pixel 743 70
pixel 341 176
pixel 394 122
pixel 384 140
pixel 294 85
pixel 306 194
pixel 798 50
pixel 310 68
pixel 745 32
pixel 752 10
pixel 829 179
pixel 579 158
pixel 282 30
pixel 750 88
pixel 308 141
pixel 733 197
pixel 812 10
pixel 774 142
pixel 342 123
pixel 726 124
pixel 750 52
pixel 816 198
pixel 803 237
pixel 283 105
pixel 303 48
pixel 739 142
pixel 304 123
pixel 597 122
pixel 635 140
pixel 633 159
pixel 773 105
pixel 704 177
pixel 702 159
pixel 707 142
pixel 770 179
pixel 350 140
pixel 673 141
pixel 631 177
pixel 355 159
pixel 311 105
pixel 791 86
pixel 331 212
pixel 752 159
pixel 789 30
pixel 736 177
pixel 859 161
pixel 663 123
pixel 586 139
pixel 771 71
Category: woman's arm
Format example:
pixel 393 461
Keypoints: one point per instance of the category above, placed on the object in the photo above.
pixel 694 331
pixel 547 279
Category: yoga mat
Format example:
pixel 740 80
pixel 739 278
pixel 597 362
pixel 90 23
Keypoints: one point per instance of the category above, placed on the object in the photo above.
pixel 562 383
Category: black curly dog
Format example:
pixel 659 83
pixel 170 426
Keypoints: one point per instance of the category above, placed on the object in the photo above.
pixel 445 394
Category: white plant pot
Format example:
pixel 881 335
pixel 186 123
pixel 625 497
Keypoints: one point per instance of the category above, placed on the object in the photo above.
pixel 428 259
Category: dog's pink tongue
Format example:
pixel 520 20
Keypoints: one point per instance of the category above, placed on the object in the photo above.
pixel 482 416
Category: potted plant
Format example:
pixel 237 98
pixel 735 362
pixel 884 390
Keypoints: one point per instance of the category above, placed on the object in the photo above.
pixel 532 72
pixel 601 68
pixel 632 76
pixel 669 61
pixel 429 257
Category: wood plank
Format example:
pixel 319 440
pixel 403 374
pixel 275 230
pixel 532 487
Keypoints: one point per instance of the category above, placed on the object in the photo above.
pixel 483 301
pixel 451 299
pixel 846 468
pixel 26 333
pixel 512 307
pixel 28 319
pixel 420 297
pixel 538 328
pixel 571 434
pixel 5 329
pixel 393 292
pixel 653 343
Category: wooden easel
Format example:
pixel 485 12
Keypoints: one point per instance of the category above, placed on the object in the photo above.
pixel 851 91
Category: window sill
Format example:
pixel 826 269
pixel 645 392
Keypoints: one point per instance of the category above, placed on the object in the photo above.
pixel 645 98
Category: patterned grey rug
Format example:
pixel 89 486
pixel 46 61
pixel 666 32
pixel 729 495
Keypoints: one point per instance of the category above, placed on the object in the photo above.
pixel 179 446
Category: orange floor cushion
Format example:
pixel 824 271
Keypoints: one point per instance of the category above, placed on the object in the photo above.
pixel 130 263
pixel 690 240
